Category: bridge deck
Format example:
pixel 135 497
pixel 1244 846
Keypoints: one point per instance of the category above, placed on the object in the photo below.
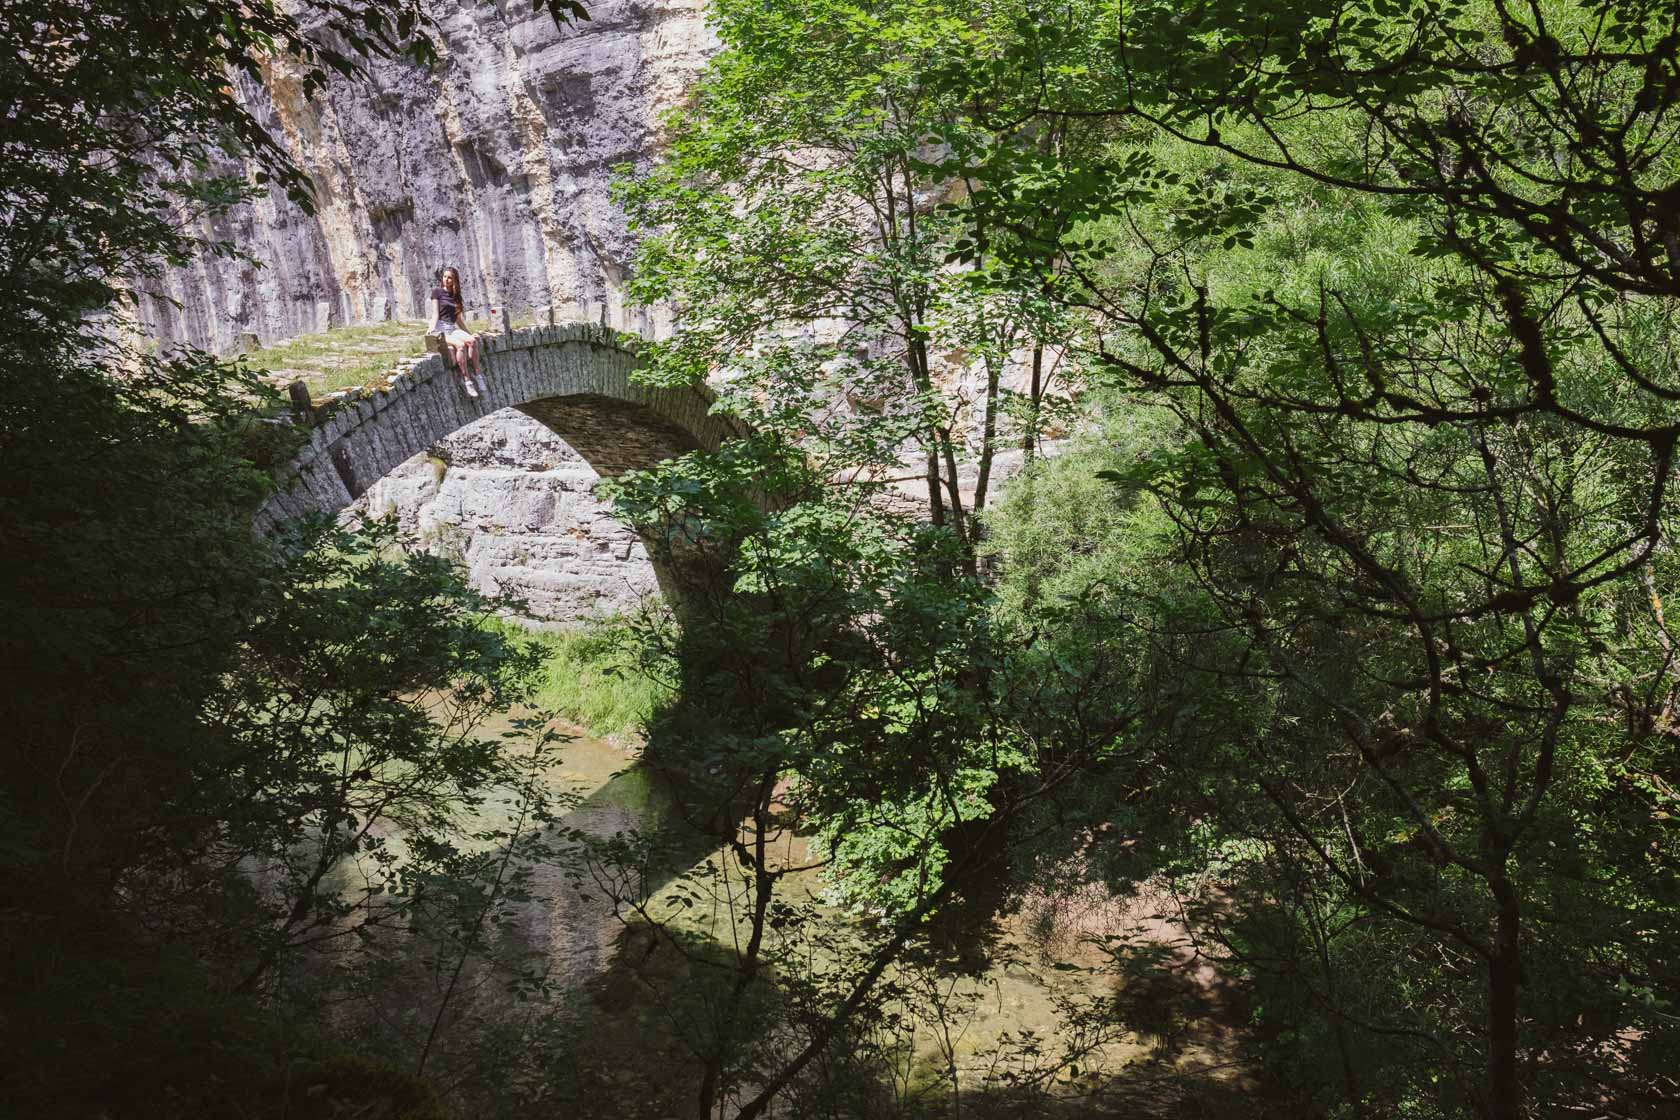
pixel 573 377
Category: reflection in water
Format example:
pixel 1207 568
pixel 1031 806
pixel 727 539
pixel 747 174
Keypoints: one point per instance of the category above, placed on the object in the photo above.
pixel 606 795
pixel 494 1005
pixel 561 1005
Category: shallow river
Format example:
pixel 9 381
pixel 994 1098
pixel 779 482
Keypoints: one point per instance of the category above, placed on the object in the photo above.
pixel 605 1034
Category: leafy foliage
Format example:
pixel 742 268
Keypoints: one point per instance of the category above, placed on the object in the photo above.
pixel 1343 620
pixel 1421 495
pixel 804 221
pixel 1379 575
pixel 204 730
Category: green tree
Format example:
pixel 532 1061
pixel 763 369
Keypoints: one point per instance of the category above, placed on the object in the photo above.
pixel 805 223
pixel 1401 282
pixel 1409 307
pixel 835 675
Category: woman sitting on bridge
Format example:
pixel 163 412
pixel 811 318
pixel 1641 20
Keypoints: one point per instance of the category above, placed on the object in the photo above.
pixel 449 317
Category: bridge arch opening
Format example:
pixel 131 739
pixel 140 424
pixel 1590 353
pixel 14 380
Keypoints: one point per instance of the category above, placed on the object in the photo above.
pixel 573 379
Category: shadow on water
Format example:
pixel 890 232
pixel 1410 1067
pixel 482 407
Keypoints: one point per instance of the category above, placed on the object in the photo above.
pixel 628 836
pixel 492 1004
pixel 570 1006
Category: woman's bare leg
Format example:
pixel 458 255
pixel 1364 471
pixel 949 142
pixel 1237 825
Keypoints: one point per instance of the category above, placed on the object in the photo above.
pixel 472 352
pixel 459 353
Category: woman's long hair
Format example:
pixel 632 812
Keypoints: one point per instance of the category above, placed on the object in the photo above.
pixel 451 273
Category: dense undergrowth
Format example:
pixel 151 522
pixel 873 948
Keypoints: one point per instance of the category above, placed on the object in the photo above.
pixel 590 678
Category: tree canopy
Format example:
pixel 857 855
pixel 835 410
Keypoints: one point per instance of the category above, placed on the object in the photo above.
pixel 1380 297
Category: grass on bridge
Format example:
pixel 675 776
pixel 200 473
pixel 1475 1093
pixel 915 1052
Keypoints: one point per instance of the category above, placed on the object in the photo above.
pixel 350 357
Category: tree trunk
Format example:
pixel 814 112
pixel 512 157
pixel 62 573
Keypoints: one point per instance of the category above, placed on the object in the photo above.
pixel 916 359
pixel 1504 977
pixel 959 519
pixel 1350 1076
pixel 764 891
pixel 988 436
pixel 936 501
pixel 1029 441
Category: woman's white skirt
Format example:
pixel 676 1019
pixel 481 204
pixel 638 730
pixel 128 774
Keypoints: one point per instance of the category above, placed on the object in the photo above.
pixel 455 335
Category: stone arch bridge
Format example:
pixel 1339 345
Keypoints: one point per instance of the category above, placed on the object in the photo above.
pixel 574 378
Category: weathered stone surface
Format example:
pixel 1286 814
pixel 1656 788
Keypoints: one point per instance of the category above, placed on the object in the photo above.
pixel 575 379
pixel 511 501
pixel 497 161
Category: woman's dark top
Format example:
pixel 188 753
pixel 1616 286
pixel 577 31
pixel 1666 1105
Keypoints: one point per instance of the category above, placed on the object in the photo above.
pixel 448 305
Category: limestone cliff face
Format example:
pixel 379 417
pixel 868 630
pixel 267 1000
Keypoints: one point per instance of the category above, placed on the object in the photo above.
pixel 497 161
pixel 517 507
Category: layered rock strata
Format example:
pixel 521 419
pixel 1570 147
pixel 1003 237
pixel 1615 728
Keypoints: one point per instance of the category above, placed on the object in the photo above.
pixel 498 160
pixel 517 507
pixel 545 541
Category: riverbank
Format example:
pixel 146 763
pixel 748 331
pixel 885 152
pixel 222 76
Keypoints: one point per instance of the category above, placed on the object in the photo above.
pixel 590 680
pixel 575 1002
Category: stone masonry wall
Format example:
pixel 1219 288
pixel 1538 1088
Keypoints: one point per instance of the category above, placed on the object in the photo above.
pixel 573 376
pixel 509 492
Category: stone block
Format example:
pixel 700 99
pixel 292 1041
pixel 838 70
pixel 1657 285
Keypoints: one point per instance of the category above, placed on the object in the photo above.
pixel 306 455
